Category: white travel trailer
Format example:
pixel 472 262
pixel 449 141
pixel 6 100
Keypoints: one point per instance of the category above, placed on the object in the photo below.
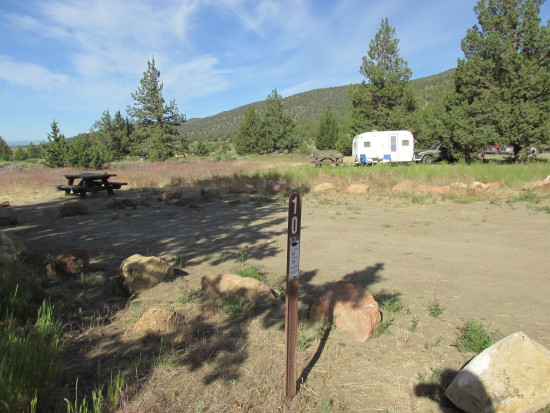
pixel 383 146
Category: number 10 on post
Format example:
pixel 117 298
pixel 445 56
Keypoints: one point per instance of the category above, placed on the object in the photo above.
pixel 293 273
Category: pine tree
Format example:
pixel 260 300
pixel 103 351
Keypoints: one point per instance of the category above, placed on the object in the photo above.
pixel 55 150
pixel 387 100
pixel 5 150
pixel 278 125
pixel 327 134
pixel 501 86
pixel 151 114
pixel 249 134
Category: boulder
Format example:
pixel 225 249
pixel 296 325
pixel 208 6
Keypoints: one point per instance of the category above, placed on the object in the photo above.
pixel 71 210
pixel 242 188
pixel 69 264
pixel 512 375
pixel 141 273
pixel 459 185
pixel 210 192
pixel 352 308
pixel 357 189
pixel 121 203
pixel 277 187
pixel 441 189
pixel 159 320
pixel 423 188
pixel 7 217
pixel 325 186
pixel 405 187
pixel 170 195
pixel 234 286
pixel 537 186
pixel 478 186
pixel 5 204
pixel 10 245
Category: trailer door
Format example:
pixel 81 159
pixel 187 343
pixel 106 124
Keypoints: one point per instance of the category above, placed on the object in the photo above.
pixel 394 152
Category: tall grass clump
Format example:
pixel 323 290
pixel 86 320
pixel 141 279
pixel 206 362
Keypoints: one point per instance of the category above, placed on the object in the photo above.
pixel 474 337
pixel 30 359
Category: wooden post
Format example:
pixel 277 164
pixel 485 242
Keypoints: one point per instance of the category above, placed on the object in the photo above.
pixel 292 283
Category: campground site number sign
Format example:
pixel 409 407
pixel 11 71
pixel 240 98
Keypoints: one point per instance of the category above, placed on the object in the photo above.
pixel 292 279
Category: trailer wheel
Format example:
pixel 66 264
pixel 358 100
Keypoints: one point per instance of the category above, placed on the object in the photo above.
pixel 428 159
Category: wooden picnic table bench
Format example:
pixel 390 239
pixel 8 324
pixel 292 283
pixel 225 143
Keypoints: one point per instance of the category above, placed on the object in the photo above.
pixel 89 182
pixel 335 160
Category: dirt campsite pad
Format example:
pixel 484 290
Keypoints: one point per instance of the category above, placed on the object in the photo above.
pixel 483 260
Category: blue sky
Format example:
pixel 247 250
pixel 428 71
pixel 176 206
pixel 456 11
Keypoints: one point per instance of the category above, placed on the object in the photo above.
pixel 70 60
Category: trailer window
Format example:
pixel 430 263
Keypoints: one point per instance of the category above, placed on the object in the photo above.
pixel 393 143
pixel 366 144
pixel 405 142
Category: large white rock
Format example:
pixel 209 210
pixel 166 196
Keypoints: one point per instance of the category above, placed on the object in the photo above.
pixel 513 375
pixel 141 273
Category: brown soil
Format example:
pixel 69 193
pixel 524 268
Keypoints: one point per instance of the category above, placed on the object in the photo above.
pixel 484 260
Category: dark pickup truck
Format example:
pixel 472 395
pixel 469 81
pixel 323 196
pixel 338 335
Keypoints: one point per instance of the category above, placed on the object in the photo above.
pixel 436 152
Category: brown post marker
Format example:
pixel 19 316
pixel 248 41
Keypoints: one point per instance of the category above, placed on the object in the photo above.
pixel 292 278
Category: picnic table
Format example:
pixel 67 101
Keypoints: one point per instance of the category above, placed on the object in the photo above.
pixel 335 160
pixel 89 182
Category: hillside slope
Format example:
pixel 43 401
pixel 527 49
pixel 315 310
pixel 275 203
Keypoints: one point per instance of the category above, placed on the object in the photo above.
pixel 307 106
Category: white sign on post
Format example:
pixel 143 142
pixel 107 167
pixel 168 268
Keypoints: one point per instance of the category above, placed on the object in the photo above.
pixel 294 260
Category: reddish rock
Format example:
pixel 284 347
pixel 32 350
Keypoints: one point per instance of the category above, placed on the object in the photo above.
pixel 69 264
pixel 121 203
pixel 240 188
pixel 441 189
pixel 538 186
pixel 423 188
pixel 169 195
pixel 160 320
pixel 5 204
pixel 478 186
pixel 494 185
pixel 210 192
pixel 405 187
pixel 352 308
pixel 71 210
pixel 325 186
pixel 277 187
pixel 7 217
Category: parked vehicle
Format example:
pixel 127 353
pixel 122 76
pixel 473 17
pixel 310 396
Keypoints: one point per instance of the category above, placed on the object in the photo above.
pixel 508 149
pixel 490 150
pixel 383 146
pixel 436 152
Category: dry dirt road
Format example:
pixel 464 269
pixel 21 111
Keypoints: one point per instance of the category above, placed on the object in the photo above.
pixel 486 261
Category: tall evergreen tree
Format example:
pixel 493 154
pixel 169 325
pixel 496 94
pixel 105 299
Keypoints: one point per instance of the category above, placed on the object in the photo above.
pixel 501 86
pixel 386 101
pixel 249 134
pixel 5 150
pixel 55 150
pixel 151 114
pixel 279 126
pixel 327 134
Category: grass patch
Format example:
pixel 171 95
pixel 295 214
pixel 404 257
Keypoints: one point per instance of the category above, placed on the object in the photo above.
pixel 249 270
pixel 187 295
pixel 526 196
pixel 390 303
pixel 474 337
pixel 383 328
pixel 234 308
pixel 435 309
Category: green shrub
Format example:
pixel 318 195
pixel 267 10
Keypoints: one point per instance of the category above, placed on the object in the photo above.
pixel 391 303
pixel 249 270
pixel 474 337
pixel 435 309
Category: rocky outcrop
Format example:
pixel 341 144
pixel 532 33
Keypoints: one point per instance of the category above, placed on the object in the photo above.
pixel 210 192
pixel 358 189
pixel 480 186
pixel 234 286
pixel 160 320
pixel 71 210
pixel 512 375
pixel 405 187
pixel 242 188
pixel 277 187
pixel 121 203
pixel 537 186
pixel 325 186
pixel 141 273
pixel 170 195
pixel 352 308
pixel 69 264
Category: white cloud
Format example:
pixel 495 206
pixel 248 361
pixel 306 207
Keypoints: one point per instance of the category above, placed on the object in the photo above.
pixel 30 75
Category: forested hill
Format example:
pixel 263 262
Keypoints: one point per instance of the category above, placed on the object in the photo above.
pixel 306 106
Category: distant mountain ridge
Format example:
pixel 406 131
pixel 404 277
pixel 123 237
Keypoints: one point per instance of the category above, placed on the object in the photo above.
pixel 307 106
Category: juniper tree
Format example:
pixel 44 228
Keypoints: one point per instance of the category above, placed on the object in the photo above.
pixel 502 83
pixel 278 126
pixel 327 133
pixel 152 115
pixel 386 101
pixel 249 134
pixel 55 150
